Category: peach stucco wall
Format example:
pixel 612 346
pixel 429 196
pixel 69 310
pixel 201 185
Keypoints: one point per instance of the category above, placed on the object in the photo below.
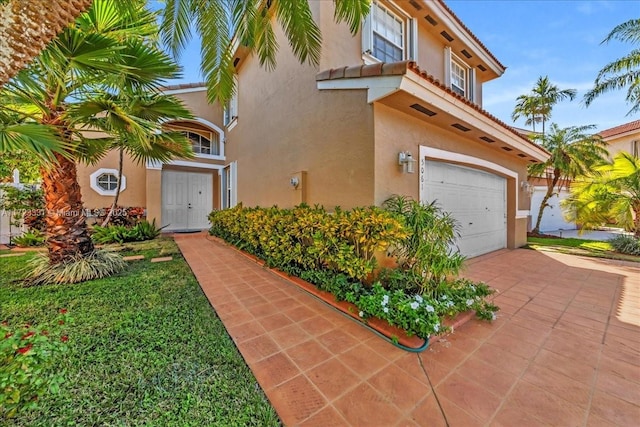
pixel 396 132
pixel 621 143
pixel 286 126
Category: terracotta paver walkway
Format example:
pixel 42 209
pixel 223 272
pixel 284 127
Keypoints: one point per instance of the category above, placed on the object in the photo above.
pixel 564 351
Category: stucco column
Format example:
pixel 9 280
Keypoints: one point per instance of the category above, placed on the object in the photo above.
pixel 154 196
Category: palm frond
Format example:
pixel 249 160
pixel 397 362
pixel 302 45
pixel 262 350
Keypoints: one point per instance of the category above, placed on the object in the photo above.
pixel 353 12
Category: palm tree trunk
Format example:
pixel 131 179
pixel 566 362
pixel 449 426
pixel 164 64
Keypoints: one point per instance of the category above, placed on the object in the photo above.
pixel 114 205
pixel 27 26
pixel 636 222
pixel 543 205
pixel 65 219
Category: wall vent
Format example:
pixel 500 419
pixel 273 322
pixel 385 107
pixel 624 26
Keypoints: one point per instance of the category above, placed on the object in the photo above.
pixel 423 110
pixel 507 148
pixel 462 128
pixel 415 4
pixel 481 68
pixel 487 139
pixel 446 36
pixel 430 20
pixel 522 155
pixel 465 53
pixel 235 61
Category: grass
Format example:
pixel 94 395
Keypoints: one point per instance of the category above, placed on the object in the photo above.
pixel 146 348
pixel 593 248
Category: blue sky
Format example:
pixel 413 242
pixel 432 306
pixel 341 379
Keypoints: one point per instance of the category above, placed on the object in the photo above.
pixel 560 39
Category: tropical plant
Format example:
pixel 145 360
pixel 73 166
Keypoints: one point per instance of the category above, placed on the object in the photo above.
pixel 623 72
pixel 626 244
pixel 143 230
pixel 573 153
pixel 610 191
pixel 223 26
pixel 428 250
pixel 537 106
pixel 101 74
pixel 28 167
pixel 96 265
pixel 30 238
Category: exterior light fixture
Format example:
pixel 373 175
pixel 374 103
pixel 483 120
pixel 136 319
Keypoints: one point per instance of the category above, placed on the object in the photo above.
pixel 294 181
pixel 406 160
pixel 527 187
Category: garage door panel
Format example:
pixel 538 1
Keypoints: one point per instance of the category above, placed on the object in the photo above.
pixel 475 198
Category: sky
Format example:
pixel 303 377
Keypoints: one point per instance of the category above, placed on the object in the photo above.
pixel 559 39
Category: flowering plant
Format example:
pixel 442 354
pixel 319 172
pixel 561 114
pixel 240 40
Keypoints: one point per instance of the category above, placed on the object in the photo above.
pixel 27 354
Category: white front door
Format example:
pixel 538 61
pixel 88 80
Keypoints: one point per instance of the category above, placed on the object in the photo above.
pixel 476 199
pixel 187 199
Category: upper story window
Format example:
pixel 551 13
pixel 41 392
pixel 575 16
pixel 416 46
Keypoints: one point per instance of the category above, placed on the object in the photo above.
pixel 207 145
pixel 459 76
pixel 230 113
pixel 388 35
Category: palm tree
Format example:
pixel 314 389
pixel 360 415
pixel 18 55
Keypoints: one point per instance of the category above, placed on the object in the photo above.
pixel 539 103
pixel 526 107
pixel 26 27
pixel 622 72
pixel 610 191
pixel 573 153
pixel 78 84
pixel 223 26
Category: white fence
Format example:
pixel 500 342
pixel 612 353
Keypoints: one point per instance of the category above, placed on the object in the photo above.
pixel 7 229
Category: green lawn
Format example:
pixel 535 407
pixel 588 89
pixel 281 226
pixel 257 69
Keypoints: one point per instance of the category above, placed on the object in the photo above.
pixel 146 348
pixel 594 248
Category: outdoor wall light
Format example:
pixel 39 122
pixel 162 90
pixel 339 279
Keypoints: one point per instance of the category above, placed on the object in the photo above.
pixel 406 160
pixel 527 187
pixel 294 182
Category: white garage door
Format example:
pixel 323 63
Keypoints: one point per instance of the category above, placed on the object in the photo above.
pixel 476 199
pixel 187 200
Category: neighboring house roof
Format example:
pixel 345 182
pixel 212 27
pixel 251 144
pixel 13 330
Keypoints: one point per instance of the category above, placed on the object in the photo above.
pixel 627 127
pixel 473 36
pixel 184 86
pixel 401 68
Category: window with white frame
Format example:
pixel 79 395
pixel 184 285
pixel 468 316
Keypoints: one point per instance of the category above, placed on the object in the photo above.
pixel 388 35
pixel 105 182
pixel 230 113
pixel 201 144
pixel 229 179
pixel 459 76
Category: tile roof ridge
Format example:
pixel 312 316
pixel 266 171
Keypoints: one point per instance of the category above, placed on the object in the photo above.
pixel 617 130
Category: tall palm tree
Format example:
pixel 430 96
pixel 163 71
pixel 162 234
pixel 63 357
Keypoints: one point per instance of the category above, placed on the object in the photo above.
pixel 26 27
pixel 526 107
pixel 573 153
pixel 75 86
pixel 540 102
pixel 223 26
pixel 609 191
pixel 623 72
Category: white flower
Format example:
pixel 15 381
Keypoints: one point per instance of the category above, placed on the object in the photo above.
pixel 419 298
pixel 450 304
pixel 384 303
pixel 473 288
pixel 430 308
pixel 436 327
pixel 386 309
pixel 415 305
pixel 493 316
pixel 443 297
pixel 361 314
pixel 418 320
pixel 469 301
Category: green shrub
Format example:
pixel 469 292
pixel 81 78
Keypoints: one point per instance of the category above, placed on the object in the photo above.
pixel 29 239
pixel 28 356
pixel 626 244
pixel 98 264
pixel 309 238
pixel 120 234
pixel 427 251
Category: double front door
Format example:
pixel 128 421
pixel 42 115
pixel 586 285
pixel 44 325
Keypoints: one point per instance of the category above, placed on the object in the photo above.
pixel 187 200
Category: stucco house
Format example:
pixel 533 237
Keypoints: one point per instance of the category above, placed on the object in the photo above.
pixel 396 109
pixel 625 137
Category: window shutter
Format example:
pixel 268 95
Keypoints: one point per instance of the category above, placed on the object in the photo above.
pixel 472 85
pixel 367 34
pixel 412 42
pixel 447 66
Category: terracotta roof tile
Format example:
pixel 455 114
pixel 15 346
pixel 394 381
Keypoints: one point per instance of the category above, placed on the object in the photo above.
pixel 401 68
pixel 627 127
